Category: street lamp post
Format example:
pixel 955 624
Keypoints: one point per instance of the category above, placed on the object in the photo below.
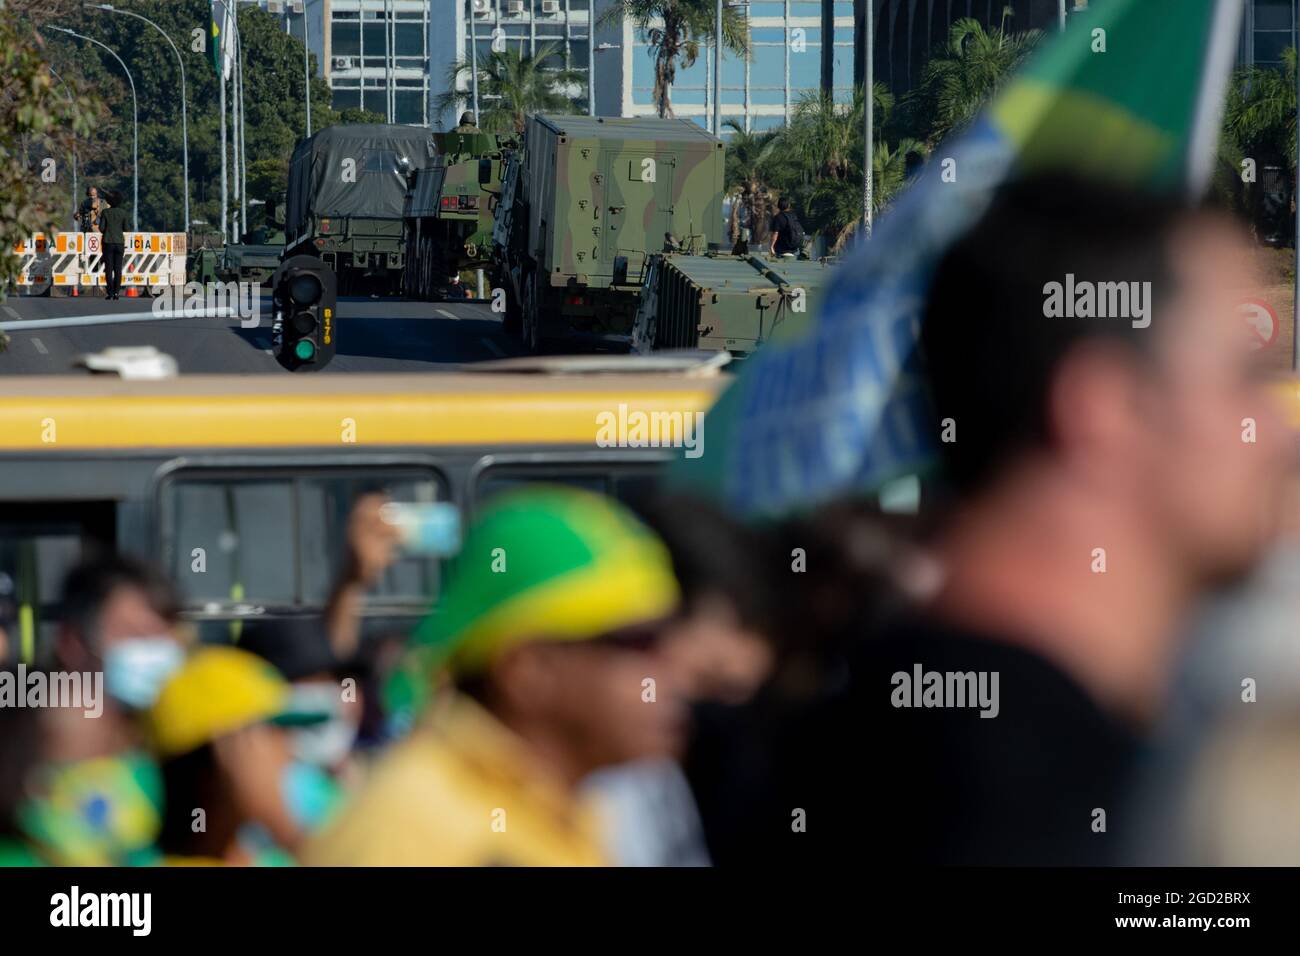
pixel 868 110
pixel 68 94
pixel 185 127
pixel 135 119
pixel 473 60
pixel 717 73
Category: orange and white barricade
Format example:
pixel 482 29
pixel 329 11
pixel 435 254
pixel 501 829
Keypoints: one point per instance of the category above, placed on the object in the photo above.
pixel 72 263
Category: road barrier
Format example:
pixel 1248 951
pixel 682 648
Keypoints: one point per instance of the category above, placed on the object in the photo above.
pixel 72 263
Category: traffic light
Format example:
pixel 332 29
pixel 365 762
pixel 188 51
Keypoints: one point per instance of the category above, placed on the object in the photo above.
pixel 303 324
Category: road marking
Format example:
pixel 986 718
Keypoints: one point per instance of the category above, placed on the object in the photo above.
pixel 40 346
pixel 493 348
pixel 446 314
pixel 11 313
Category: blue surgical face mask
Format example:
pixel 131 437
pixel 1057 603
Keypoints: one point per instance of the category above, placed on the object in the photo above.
pixel 136 668
pixel 309 794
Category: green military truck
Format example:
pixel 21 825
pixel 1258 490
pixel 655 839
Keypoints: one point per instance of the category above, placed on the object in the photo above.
pixel 346 197
pixel 253 260
pixel 449 210
pixel 727 302
pixel 584 204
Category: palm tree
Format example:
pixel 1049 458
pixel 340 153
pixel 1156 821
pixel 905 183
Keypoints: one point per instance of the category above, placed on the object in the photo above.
pixel 674 31
pixel 753 166
pixel 967 71
pixel 842 208
pixel 511 85
pixel 1261 106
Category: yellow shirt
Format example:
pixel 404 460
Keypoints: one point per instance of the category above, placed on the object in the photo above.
pixel 460 791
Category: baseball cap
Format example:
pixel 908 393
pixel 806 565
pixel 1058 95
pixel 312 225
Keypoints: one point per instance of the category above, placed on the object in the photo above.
pixel 217 691
pixel 548 564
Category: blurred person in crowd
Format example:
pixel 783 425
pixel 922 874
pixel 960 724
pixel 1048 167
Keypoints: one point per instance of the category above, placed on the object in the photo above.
pixel 546 627
pixel 300 650
pixel 93 811
pixel 828 577
pixel 716 648
pixel 1099 482
pixel 234 792
pixel 119 617
pixel 372 546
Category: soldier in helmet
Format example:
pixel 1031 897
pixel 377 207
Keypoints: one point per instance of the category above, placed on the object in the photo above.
pixel 467 123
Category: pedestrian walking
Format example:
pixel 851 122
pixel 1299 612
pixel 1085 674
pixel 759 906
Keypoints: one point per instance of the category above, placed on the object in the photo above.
pixel 787 232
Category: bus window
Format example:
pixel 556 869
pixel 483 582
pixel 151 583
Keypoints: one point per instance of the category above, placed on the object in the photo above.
pixel 276 539
pixel 628 482
pixel 37 550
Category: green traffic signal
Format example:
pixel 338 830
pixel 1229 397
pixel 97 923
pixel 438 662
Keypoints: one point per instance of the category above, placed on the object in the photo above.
pixel 304 349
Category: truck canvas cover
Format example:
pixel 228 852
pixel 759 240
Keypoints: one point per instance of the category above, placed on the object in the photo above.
pixel 318 187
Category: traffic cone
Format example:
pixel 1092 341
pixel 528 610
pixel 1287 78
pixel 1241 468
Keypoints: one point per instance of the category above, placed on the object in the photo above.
pixel 132 293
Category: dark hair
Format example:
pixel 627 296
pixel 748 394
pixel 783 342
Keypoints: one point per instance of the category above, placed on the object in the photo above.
pixel 89 585
pixel 991 351
pixel 783 204
pixel 190 782
pixel 713 554
pixel 115 198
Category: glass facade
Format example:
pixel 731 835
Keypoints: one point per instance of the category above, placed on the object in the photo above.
pixel 378 57
pixel 787 39
pixel 1267 31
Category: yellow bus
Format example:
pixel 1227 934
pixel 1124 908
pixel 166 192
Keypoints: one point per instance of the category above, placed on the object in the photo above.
pixel 239 487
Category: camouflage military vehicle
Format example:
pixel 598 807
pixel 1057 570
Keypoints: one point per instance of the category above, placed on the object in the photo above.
pixel 584 204
pixel 253 260
pixel 346 196
pixel 449 209
pixel 723 301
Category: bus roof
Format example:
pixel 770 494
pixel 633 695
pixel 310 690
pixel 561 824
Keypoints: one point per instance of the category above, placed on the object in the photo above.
pixel 59 413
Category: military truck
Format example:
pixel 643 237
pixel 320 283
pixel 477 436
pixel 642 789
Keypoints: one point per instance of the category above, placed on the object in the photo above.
pixel 584 204
pixel 347 192
pixel 727 302
pixel 255 259
pixel 449 210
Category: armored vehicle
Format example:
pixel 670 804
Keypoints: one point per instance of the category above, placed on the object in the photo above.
pixel 449 210
pixel 584 204
pixel 723 301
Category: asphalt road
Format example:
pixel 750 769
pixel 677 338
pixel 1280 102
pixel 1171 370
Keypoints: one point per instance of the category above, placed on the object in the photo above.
pixel 374 335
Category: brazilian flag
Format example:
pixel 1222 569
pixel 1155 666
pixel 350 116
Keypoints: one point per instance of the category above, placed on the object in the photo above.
pixel 220 26
pixel 1131 90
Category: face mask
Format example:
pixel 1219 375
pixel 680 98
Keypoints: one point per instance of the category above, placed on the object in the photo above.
pixel 309 794
pixel 325 744
pixel 136 668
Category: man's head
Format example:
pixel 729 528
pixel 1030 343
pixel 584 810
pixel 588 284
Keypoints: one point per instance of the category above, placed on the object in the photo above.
pixel 91 192
pixel 551 620
pixel 1088 334
pixel 467 118
pixel 783 204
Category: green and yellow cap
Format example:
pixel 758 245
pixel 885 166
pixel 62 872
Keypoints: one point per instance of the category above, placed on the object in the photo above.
pixel 547 564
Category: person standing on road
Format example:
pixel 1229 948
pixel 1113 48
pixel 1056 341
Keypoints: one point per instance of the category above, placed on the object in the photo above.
pixel 113 225
pixel 91 208
pixel 787 231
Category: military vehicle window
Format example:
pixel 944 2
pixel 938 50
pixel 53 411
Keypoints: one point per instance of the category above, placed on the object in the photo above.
pixel 277 539
pixel 484 172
